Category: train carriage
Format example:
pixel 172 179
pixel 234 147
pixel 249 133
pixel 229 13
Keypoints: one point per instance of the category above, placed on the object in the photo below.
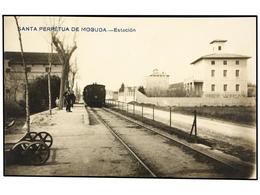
pixel 94 95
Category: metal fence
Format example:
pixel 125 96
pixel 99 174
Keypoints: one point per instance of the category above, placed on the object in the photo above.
pixel 165 116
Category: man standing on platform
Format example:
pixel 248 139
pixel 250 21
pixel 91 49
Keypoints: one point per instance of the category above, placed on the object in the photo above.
pixel 68 100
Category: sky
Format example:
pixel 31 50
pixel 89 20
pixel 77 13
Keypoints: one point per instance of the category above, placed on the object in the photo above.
pixel 113 58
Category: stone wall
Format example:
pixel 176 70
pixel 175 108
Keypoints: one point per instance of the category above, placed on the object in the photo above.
pixel 196 101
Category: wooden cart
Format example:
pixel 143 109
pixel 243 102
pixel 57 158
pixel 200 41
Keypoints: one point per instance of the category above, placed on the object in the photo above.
pixel 32 149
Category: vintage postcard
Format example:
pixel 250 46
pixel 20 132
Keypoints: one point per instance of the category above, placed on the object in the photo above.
pixel 130 96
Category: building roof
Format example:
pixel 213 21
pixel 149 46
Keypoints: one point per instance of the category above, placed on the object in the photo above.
pixel 157 73
pixel 218 40
pixel 31 58
pixel 221 56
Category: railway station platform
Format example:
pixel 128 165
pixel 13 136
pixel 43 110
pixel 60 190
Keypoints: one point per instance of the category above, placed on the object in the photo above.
pixel 78 149
pixel 82 146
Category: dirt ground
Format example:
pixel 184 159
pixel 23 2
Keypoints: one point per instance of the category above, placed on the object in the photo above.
pixel 79 149
pixel 235 139
pixel 167 159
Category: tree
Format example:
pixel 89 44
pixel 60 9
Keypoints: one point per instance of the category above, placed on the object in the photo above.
pixel 141 89
pixel 122 88
pixel 64 55
pixel 49 76
pixel 27 108
pixel 73 71
pixel 52 34
pixel 78 92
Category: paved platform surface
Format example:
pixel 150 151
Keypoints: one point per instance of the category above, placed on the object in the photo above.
pixel 79 149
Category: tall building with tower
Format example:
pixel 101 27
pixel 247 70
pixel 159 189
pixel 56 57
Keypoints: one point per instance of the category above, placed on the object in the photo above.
pixel 219 74
pixel 157 80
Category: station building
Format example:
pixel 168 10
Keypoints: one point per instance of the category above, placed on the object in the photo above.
pixel 218 74
pixel 37 65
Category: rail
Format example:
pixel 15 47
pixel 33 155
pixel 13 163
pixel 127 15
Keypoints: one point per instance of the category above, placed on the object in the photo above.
pixel 123 143
pixel 238 167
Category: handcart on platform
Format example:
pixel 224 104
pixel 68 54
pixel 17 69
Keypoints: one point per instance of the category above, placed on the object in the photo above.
pixel 32 149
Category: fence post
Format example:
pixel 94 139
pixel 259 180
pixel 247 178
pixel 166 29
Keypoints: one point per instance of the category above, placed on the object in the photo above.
pixel 134 108
pixel 153 112
pixel 127 107
pixel 194 124
pixel 195 120
pixel 170 116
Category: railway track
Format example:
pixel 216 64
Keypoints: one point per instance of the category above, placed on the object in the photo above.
pixel 132 152
pixel 227 169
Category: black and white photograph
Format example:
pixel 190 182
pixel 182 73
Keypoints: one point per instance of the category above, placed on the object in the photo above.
pixel 130 96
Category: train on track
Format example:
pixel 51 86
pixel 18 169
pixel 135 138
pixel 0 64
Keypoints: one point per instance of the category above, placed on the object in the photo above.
pixel 94 95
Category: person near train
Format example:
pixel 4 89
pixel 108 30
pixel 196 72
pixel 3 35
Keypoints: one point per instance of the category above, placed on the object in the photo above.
pixel 73 98
pixel 68 99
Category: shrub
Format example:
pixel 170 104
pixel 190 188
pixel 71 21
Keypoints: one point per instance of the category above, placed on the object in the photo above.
pixel 142 90
pixel 38 93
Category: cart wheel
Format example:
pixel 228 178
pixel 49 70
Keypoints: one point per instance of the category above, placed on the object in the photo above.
pixel 29 136
pixel 18 150
pixel 21 146
pixel 37 153
pixel 44 137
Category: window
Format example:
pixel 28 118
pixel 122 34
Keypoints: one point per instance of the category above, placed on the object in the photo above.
pixel 212 73
pixel 7 70
pixel 212 62
pixel 237 62
pixel 225 62
pixel 219 48
pixel 213 87
pixel 225 87
pixel 47 69
pixel 237 87
pixel 224 73
pixel 237 73
pixel 28 69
